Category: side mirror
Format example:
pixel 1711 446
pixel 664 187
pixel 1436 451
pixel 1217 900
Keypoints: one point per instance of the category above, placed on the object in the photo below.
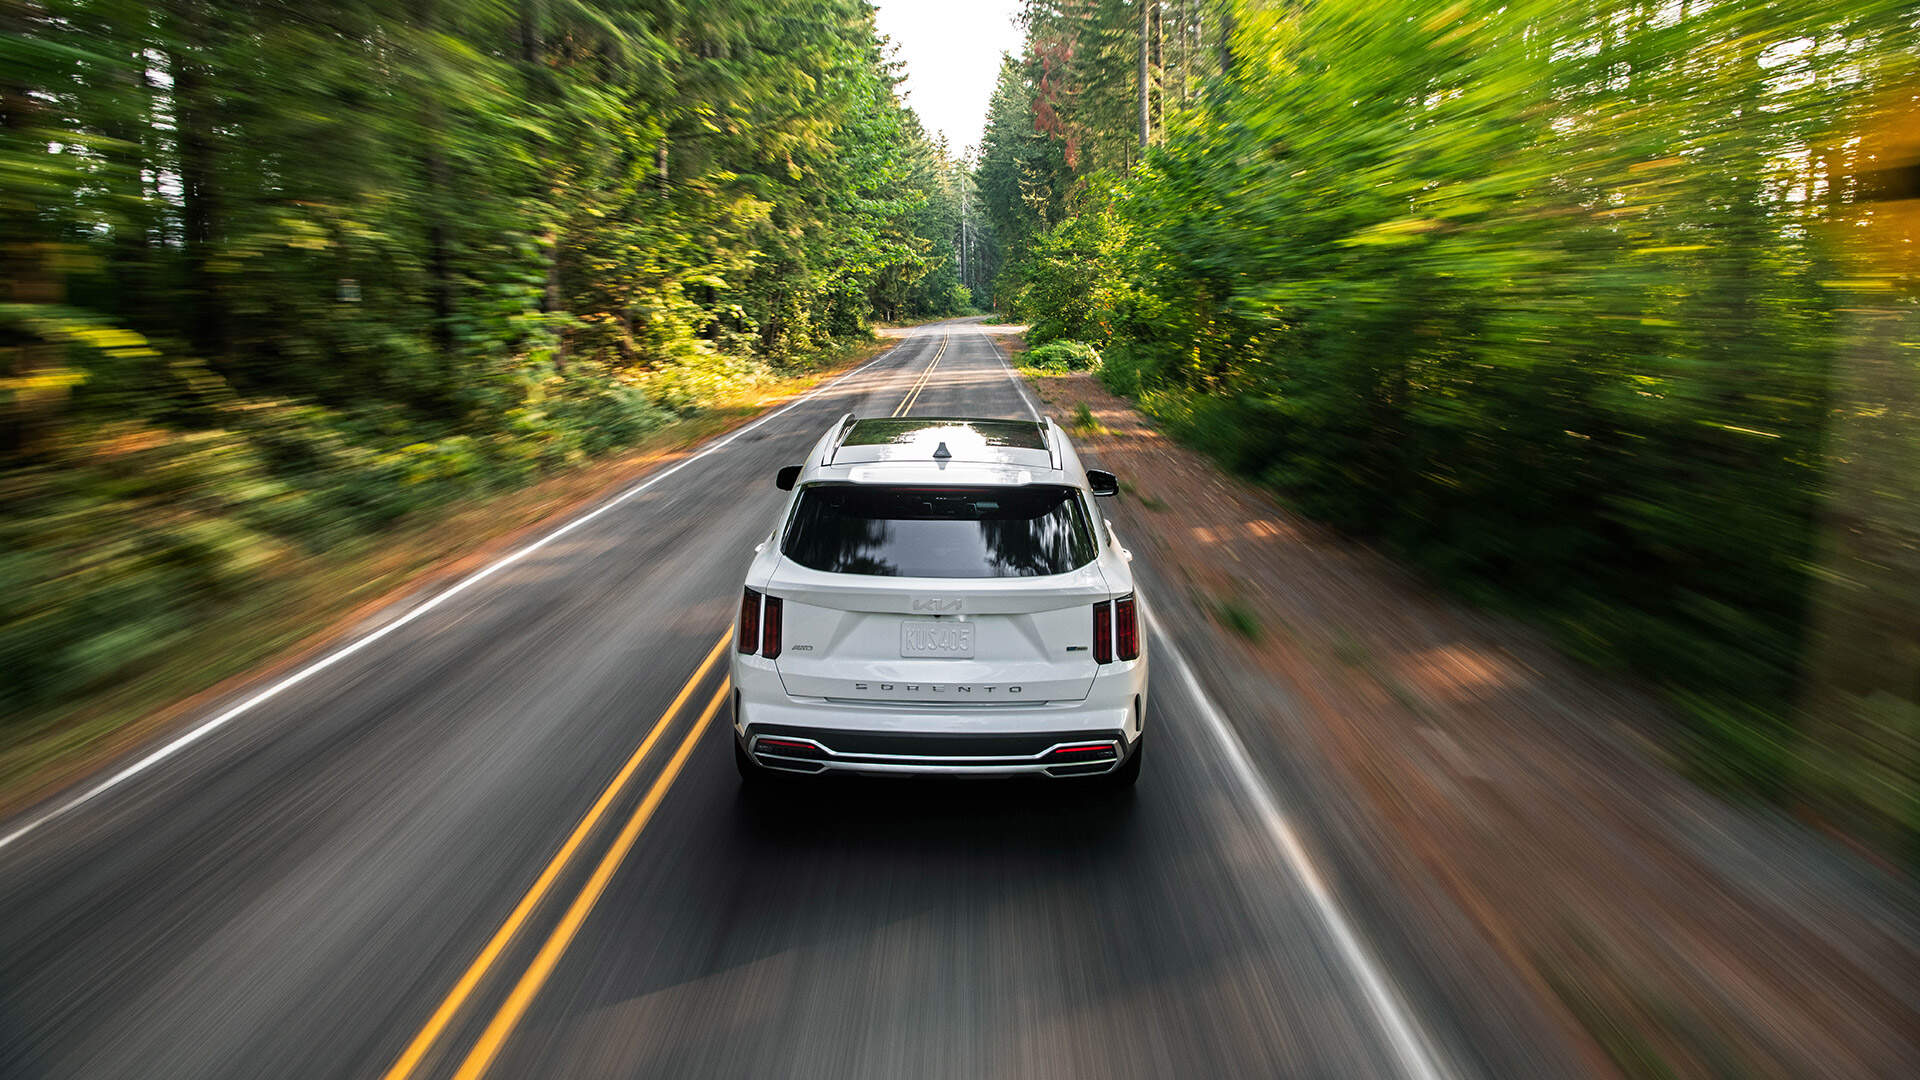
pixel 1103 483
pixel 784 479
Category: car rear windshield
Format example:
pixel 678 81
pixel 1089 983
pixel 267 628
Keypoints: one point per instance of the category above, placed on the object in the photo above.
pixel 944 532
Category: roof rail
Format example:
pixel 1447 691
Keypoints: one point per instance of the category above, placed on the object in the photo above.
pixel 1053 440
pixel 839 438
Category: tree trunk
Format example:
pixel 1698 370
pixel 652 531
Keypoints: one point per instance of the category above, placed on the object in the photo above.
pixel 530 34
pixel 436 183
pixel 199 183
pixel 1226 39
pixel 439 243
pixel 128 129
pixel 531 16
pixel 26 277
pixel 1145 9
pixel 1160 68
pixel 1187 49
pixel 551 298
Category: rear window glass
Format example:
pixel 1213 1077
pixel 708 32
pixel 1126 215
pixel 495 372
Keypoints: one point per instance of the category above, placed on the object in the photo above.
pixel 945 532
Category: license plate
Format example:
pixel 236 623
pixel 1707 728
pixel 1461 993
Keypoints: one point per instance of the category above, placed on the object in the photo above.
pixel 937 639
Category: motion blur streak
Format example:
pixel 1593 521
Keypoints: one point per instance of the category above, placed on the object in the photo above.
pixel 478 970
pixel 1515 411
pixel 208 727
pixel 1416 1058
pixel 530 983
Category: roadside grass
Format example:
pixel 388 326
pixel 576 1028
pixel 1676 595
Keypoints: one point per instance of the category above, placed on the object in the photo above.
pixel 303 602
pixel 1017 356
pixel 1084 422
pixel 1349 650
pixel 1630 1051
pixel 1646 1034
pixel 1148 501
pixel 1237 617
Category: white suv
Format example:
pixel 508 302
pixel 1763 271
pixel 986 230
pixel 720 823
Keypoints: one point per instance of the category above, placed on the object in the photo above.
pixel 940 596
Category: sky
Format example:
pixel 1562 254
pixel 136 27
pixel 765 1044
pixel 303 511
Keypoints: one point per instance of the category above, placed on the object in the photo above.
pixel 952 52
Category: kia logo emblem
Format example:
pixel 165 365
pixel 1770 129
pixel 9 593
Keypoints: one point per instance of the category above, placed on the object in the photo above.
pixel 936 603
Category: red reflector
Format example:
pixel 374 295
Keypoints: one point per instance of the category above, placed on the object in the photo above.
pixel 749 621
pixel 786 743
pixel 770 629
pixel 1103 633
pixel 1126 629
pixel 1103 747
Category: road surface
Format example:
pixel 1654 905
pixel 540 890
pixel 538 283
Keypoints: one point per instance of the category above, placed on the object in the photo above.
pixel 440 855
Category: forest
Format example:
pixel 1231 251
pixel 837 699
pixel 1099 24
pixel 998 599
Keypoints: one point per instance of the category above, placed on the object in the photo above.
pixel 1599 314
pixel 279 275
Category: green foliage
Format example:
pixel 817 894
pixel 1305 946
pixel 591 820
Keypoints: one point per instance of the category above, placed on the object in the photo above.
pixel 1062 356
pixel 1022 173
pixel 1077 281
pixel 958 301
pixel 1237 617
pixel 1543 297
pixel 277 278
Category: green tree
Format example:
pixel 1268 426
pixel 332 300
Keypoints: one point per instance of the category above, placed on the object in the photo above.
pixel 1548 299
pixel 279 274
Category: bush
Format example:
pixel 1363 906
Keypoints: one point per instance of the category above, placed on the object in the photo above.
pixel 1129 368
pixel 1063 356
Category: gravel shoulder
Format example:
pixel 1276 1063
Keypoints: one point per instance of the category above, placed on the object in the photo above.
pixel 1496 813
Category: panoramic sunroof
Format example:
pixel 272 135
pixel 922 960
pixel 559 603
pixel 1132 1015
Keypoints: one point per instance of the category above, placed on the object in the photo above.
pixel 1020 434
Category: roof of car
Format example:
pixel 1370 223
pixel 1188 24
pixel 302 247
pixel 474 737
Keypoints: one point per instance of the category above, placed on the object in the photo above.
pixel 918 429
pixel 943 439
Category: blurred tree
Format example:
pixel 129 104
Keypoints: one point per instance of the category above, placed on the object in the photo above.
pixel 1861 752
pixel 1547 298
pixel 276 274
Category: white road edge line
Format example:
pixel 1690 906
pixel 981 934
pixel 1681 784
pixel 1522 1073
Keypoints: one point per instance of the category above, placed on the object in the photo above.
pixel 208 727
pixel 1019 386
pixel 1416 1057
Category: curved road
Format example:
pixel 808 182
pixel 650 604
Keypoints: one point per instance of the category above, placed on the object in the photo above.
pixel 440 854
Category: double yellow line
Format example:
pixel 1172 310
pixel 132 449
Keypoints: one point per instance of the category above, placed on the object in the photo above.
pixel 920 384
pixel 528 987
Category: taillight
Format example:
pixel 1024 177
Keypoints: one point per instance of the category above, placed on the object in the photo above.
pixel 770 630
pixel 1103 633
pixel 749 621
pixel 1126 629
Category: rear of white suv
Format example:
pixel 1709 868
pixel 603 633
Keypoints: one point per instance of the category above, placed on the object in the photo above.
pixel 940 596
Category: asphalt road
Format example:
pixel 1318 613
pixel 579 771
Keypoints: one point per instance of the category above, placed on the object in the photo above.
pixel 381 868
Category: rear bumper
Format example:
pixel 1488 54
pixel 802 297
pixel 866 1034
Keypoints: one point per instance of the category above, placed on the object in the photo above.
pixel 819 750
pixel 1058 739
